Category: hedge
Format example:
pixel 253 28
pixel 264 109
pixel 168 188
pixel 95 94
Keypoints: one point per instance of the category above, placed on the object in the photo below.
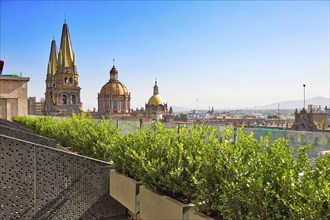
pixel 231 176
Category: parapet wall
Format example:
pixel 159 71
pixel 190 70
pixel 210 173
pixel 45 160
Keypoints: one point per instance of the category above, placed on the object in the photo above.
pixel 31 137
pixel 15 126
pixel 39 182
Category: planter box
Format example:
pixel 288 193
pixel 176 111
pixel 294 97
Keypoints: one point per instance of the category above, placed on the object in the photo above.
pixel 125 190
pixel 154 206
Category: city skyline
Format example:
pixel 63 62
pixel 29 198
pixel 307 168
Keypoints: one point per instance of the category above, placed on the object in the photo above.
pixel 223 54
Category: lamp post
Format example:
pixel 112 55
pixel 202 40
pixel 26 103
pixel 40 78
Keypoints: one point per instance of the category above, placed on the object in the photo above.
pixel 304 94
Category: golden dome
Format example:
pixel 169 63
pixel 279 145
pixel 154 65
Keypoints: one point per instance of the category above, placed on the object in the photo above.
pixel 156 100
pixel 113 88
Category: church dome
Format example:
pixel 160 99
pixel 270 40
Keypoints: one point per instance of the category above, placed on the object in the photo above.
pixel 113 88
pixel 156 100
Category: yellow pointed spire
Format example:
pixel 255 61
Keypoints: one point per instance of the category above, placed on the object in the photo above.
pixel 66 56
pixel 52 63
pixel 74 58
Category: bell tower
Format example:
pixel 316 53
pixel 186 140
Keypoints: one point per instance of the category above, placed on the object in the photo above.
pixel 62 95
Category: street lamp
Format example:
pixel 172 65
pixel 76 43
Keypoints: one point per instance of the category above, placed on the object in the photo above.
pixel 304 94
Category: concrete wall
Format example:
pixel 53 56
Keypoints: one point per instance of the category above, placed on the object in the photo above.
pixel 13 92
pixel 31 105
pixel 3 108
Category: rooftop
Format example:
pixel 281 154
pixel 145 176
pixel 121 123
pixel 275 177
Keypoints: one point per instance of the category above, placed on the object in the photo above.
pixel 13 75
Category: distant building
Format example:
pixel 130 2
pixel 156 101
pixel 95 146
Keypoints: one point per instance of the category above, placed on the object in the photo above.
pixel 312 120
pixel 156 103
pixel 13 96
pixel 328 111
pixel 34 107
pixel 62 96
pixel 156 108
pixel 114 97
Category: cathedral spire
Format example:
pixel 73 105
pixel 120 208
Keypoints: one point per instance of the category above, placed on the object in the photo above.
pixel 156 92
pixel 52 63
pixel 66 57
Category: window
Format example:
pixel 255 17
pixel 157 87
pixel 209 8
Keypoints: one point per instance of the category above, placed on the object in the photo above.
pixel 114 105
pixel 64 99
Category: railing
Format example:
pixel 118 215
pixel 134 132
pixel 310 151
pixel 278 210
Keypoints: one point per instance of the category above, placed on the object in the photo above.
pixel 320 141
pixel 12 73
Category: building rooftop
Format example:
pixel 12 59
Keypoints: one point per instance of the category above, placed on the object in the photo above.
pixel 13 75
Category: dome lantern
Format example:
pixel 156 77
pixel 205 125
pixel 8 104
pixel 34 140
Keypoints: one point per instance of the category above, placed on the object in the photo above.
pixel 114 73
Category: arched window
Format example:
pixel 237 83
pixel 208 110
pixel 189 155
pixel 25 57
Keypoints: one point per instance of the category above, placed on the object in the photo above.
pixel 64 99
pixel 66 79
pixel 71 80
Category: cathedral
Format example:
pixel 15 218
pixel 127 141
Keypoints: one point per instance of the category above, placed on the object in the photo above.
pixel 155 109
pixel 156 103
pixel 114 97
pixel 62 96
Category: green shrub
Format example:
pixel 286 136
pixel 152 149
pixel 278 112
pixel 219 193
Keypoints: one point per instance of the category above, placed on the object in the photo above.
pixel 81 133
pixel 253 180
pixel 233 176
pixel 164 161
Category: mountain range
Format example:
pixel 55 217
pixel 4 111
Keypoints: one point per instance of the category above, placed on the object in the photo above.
pixel 293 104
pixel 298 104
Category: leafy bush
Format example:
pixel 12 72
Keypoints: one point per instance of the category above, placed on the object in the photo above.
pixel 81 133
pixel 162 160
pixel 233 176
pixel 253 180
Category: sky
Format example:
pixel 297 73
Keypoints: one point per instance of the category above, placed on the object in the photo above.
pixel 225 54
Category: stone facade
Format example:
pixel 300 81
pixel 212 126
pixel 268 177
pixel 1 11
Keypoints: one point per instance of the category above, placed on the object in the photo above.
pixel 13 96
pixel 310 121
pixel 62 96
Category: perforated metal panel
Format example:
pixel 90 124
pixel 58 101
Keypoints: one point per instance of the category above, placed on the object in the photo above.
pixel 38 182
pixel 15 126
pixel 31 137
